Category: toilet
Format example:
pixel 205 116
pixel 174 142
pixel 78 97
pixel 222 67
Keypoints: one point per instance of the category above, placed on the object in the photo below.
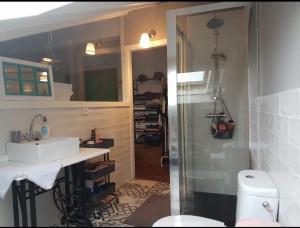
pixel 257 198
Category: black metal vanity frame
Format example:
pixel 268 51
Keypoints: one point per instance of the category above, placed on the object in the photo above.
pixel 26 190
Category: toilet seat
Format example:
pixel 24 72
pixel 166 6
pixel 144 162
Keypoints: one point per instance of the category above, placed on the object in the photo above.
pixel 187 221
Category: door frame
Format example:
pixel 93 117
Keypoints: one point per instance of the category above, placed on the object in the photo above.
pixel 175 183
pixel 128 66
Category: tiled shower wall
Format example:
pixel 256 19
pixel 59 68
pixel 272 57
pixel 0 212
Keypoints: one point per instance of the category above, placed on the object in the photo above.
pixel 275 147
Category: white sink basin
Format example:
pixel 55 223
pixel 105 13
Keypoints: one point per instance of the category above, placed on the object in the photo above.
pixel 44 150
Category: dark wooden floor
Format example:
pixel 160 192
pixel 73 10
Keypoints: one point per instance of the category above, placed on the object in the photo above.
pixel 147 163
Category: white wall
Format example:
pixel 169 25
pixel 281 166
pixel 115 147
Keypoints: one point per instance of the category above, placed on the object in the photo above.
pixel 111 122
pixel 274 102
pixel 215 162
pixel 138 21
pixel 279 45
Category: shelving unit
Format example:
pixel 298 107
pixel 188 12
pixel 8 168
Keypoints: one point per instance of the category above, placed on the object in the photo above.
pixel 145 117
pixel 97 177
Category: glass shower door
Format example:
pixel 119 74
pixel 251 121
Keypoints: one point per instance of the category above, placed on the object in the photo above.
pixel 208 109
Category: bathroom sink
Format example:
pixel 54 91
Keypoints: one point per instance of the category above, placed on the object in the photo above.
pixel 43 150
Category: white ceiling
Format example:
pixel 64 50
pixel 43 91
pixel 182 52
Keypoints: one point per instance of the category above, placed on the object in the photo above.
pixel 11 10
pixel 72 14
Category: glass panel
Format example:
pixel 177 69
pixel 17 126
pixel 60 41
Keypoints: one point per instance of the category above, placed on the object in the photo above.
pixel 212 101
pixel 28 88
pixel 12 87
pixel 43 89
pixel 27 73
pixel 11 71
pixel 71 64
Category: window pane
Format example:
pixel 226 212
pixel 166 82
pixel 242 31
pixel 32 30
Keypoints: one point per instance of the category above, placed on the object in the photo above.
pixel 43 89
pixel 11 71
pixel 12 87
pixel 28 88
pixel 27 73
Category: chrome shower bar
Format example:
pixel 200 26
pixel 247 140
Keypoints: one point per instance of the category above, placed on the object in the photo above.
pixel 212 115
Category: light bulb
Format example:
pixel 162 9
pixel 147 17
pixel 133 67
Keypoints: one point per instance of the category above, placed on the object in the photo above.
pixel 90 49
pixel 145 40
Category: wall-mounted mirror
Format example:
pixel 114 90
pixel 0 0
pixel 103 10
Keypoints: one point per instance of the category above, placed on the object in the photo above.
pixel 77 75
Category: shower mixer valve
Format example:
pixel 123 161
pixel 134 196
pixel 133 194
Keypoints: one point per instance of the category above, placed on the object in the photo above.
pixel 219 56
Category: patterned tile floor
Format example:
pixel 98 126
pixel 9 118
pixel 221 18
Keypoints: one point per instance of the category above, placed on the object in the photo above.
pixel 131 196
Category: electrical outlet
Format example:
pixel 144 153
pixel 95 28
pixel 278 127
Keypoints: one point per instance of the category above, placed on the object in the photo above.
pixel 85 111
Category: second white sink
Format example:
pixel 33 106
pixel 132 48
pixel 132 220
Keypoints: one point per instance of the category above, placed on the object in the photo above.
pixel 44 150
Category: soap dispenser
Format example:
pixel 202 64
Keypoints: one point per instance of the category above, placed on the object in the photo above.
pixel 45 129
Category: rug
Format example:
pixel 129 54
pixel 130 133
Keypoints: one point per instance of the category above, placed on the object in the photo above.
pixel 153 209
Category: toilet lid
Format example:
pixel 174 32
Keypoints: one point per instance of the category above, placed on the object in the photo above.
pixel 187 221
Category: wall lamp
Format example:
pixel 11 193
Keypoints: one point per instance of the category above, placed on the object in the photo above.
pixel 90 47
pixel 145 38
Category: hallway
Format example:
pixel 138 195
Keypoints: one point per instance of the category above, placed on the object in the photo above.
pixel 147 163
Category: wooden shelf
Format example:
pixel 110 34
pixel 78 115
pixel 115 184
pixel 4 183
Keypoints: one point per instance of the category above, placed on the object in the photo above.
pixel 148 79
pixel 148 121
pixel 146 110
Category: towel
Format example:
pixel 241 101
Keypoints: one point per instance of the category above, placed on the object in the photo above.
pixel 43 175
pixel 256 223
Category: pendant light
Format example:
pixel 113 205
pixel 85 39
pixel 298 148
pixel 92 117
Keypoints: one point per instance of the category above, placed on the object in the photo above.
pixel 90 49
pixel 46 60
pixel 49 56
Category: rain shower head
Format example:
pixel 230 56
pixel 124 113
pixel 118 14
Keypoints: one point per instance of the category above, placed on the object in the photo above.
pixel 215 23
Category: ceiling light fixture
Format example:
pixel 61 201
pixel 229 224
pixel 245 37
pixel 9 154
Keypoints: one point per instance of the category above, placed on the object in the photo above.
pixel 90 49
pixel 145 40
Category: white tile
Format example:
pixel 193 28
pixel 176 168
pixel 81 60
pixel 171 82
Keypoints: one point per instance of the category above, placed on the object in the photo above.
pixel 273 104
pixel 289 200
pixel 264 104
pixel 293 159
pixel 283 127
pixel 259 103
pixel 294 131
pixel 283 148
pixel 273 142
pixel 289 103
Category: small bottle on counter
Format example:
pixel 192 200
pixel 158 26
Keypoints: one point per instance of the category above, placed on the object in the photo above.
pixel 93 135
pixel 45 129
pixel 96 135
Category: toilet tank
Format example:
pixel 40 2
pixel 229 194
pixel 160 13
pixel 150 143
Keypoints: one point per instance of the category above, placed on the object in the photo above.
pixel 257 196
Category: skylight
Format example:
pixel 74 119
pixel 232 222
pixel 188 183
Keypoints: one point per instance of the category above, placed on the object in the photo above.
pixel 12 10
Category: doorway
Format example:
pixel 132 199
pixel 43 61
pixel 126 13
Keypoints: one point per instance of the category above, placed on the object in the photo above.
pixel 150 117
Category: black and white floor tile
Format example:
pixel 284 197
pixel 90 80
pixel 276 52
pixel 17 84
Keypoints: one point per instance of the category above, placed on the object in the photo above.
pixel 131 196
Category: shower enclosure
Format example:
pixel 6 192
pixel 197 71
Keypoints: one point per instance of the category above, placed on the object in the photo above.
pixel 208 107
